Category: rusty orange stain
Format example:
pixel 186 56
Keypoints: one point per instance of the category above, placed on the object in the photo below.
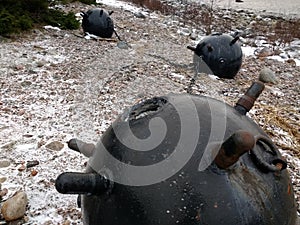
pixel 198 216
pixel 289 189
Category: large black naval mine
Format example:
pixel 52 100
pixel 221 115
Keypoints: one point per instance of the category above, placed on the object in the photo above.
pixel 98 22
pixel 221 53
pixel 187 160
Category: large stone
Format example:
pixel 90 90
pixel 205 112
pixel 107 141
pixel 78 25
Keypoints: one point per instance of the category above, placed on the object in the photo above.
pixel 4 163
pixel 55 145
pixel 267 76
pixel 15 207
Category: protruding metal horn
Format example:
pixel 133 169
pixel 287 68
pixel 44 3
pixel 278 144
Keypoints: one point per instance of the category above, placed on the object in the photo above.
pixel 81 183
pixel 234 40
pixel 83 14
pixel 246 102
pixel 191 48
pixel 233 148
pixel 86 149
pixel 209 48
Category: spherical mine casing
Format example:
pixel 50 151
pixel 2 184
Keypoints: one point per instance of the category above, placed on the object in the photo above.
pixel 98 22
pixel 221 53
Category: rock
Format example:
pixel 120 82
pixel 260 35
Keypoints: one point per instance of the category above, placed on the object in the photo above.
pixel 4 163
pixel 267 76
pixel 2 179
pixel 287 75
pixel 9 146
pixel 32 163
pixel 55 145
pixel 41 143
pixel 3 192
pixel 22 168
pixel 26 83
pixel 15 207
pixel 193 36
pixel 292 62
pixel 122 45
pixel 33 173
pixel 66 222
pixel 264 52
pixel 184 31
pixel 41 63
pixel 140 15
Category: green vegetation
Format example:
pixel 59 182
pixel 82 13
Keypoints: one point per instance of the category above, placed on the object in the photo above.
pixel 20 15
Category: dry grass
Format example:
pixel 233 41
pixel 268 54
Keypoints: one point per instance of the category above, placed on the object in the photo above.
pixel 275 122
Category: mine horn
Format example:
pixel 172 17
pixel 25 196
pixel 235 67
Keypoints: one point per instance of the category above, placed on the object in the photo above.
pixel 83 14
pixel 191 48
pixel 87 149
pixel 234 40
pixel 246 102
pixel 233 148
pixel 81 183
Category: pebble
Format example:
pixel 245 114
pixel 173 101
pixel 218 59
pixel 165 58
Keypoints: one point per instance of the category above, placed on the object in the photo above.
pixel 3 192
pixel 2 179
pixel 267 76
pixel 140 15
pixel 4 163
pixel 26 83
pixel 32 163
pixel 15 207
pixel 55 145
pixel 34 172
pixel 22 168
pixel 10 146
pixel 264 52
pixel 292 62
pixel 122 45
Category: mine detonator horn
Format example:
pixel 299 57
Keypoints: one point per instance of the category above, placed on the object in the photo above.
pixel 83 14
pixel 233 148
pixel 234 40
pixel 246 102
pixel 87 149
pixel 82 183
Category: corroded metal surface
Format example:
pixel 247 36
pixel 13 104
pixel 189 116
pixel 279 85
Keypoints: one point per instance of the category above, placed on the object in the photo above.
pixel 234 188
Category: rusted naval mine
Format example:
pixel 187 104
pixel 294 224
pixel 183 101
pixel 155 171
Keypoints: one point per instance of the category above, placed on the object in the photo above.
pixel 98 22
pixel 183 159
pixel 221 53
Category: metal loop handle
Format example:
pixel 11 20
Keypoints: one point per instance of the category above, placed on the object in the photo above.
pixel 275 165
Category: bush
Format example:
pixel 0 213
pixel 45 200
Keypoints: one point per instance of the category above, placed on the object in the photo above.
pixel 61 20
pixel 20 15
pixel 9 23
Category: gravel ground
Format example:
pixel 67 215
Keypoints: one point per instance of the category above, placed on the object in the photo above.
pixel 56 85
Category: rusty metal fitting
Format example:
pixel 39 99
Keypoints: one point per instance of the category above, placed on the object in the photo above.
pixel 246 102
pixel 233 148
